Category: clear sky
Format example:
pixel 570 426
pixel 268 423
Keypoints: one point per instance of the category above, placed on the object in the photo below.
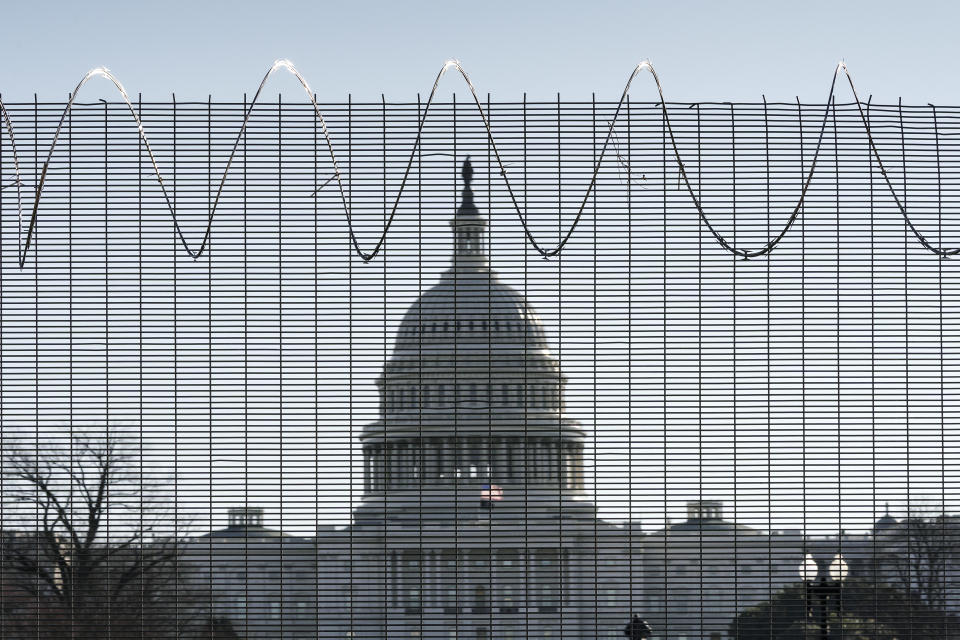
pixel 702 50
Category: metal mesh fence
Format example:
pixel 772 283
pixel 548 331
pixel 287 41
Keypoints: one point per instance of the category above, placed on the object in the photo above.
pixel 458 438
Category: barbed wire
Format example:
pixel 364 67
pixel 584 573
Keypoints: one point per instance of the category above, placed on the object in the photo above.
pixel 366 256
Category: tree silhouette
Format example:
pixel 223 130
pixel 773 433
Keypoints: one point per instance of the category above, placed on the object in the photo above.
pixel 867 611
pixel 96 549
pixel 922 555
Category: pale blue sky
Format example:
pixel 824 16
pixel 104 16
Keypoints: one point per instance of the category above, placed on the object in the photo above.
pixel 703 50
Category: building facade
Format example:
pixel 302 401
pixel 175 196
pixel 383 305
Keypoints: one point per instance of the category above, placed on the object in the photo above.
pixel 698 574
pixel 261 580
pixel 474 523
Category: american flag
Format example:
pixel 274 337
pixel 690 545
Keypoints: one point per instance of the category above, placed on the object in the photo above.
pixel 491 492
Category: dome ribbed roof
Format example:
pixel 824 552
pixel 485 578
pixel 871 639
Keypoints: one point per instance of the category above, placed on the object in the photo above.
pixel 469 316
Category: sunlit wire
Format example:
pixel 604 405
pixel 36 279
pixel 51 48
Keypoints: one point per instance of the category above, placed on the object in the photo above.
pixel 24 245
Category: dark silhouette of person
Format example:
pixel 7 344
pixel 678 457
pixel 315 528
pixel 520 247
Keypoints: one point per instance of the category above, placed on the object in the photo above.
pixel 637 629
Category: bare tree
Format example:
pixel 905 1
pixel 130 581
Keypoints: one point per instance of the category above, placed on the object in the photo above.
pixel 922 555
pixel 96 549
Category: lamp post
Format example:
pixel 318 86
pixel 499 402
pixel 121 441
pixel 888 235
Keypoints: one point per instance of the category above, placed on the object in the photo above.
pixel 823 588
pixel 637 629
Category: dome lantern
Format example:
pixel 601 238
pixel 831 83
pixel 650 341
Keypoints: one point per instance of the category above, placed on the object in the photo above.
pixel 469 250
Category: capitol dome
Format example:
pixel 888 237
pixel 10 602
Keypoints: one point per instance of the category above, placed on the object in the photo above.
pixel 471 395
pixel 471 346
pixel 886 524
pixel 469 312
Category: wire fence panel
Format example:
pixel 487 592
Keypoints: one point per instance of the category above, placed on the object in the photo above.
pixel 267 374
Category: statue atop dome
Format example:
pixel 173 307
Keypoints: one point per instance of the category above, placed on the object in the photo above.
pixel 469 243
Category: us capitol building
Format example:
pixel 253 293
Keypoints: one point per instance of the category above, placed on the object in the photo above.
pixel 472 406
pixel 474 523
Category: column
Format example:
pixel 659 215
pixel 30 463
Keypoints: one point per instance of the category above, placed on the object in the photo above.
pixel 543 447
pixel 453 459
pixel 550 445
pixel 390 457
pixel 391 586
pixel 523 460
pixel 437 446
pixel 553 454
pixel 397 457
pixel 500 465
pixel 403 465
pixel 366 470
pixel 384 466
pixel 463 458
pixel 564 462
pixel 517 460
pixel 536 469
pixel 445 459
pixel 410 460
pixel 578 465
pixel 475 446
pixel 416 461
pixel 484 457
pixel 381 467
pixel 556 448
pixel 529 460
pixel 426 576
pixel 428 461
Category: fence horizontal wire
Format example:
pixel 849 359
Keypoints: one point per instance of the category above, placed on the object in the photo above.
pixel 755 410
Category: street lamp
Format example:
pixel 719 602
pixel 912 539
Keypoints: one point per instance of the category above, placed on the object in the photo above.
pixel 637 629
pixel 823 588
